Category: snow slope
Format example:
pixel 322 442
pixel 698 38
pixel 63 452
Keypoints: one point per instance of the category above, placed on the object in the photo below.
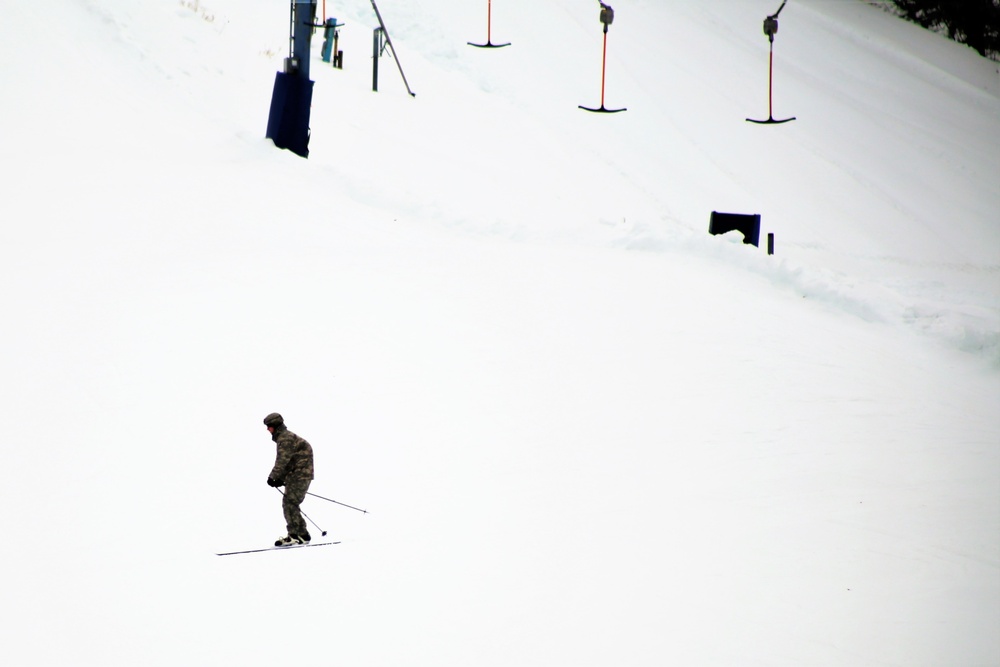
pixel 585 431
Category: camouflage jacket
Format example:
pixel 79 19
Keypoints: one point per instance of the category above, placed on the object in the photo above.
pixel 294 460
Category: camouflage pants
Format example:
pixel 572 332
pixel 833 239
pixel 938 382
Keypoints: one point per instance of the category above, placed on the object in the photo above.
pixel 295 493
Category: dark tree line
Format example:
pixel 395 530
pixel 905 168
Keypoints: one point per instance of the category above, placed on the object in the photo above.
pixel 972 22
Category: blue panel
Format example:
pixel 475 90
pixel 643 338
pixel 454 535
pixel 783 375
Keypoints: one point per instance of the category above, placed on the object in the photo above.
pixel 288 122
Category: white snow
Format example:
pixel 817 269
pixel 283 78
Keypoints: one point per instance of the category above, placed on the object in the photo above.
pixel 586 432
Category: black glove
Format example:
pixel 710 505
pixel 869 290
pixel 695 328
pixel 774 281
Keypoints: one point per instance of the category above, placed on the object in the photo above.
pixel 273 482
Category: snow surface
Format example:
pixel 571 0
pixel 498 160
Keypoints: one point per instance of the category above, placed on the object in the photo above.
pixel 586 432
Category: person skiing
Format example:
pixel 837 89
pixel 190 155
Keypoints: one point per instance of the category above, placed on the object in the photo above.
pixel 293 469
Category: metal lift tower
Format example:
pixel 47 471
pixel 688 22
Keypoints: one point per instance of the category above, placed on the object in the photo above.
pixel 288 122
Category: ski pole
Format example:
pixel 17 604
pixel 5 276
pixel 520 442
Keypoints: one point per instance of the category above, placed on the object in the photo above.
pixel 304 514
pixel 336 501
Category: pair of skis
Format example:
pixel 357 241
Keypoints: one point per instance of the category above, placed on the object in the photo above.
pixel 291 546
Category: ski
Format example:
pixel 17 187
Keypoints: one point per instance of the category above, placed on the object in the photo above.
pixel 291 546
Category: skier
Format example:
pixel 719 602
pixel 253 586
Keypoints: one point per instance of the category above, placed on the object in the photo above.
pixel 293 469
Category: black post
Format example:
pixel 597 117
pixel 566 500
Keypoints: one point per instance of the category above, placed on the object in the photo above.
pixel 376 51
pixel 388 41
pixel 770 243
